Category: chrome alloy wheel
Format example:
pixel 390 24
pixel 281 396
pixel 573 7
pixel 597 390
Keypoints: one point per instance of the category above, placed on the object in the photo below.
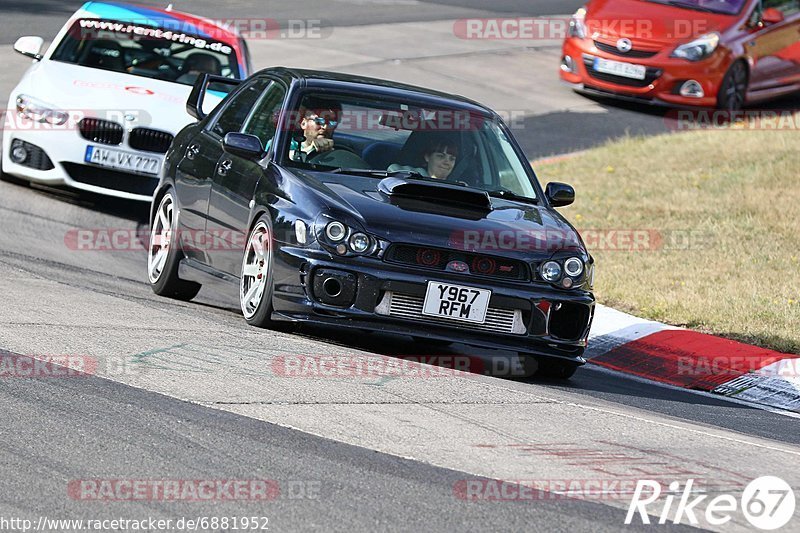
pixel 255 270
pixel 160 238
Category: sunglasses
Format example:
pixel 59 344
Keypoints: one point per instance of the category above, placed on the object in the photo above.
pixel 321 121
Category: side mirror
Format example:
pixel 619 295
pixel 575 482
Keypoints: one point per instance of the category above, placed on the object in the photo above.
pixel 559 194
pixel 243 145
pixel 29 46
pixel 772 15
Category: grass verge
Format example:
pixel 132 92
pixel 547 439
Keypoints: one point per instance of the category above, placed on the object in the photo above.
pixel 723 208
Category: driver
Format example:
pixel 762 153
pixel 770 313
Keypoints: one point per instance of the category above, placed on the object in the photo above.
pixel 319 120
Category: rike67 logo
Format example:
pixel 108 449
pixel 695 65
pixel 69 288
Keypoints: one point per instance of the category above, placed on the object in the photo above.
pixel 768 503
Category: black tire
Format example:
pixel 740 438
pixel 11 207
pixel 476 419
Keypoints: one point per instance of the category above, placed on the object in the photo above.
pixel 164 280
pixel 258 314
pixel 555 368
pixel 733 90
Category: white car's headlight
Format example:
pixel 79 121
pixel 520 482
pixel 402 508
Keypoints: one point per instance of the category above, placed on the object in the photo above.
pixel 577 24
pixel 36 110
pixel 700 48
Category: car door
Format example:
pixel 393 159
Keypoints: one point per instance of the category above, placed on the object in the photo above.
pixel 235 181
pixel 775 48
pixel 198 166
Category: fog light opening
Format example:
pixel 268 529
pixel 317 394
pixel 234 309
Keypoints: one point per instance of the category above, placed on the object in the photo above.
pixel 568 65
pixel 332 287
pixel 692 89
pixel 19 154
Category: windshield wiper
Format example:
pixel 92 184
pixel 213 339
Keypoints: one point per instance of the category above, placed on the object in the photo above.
pixel 412 174
pixel 505 194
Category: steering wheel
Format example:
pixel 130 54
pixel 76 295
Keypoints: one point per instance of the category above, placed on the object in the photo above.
pixel 340 156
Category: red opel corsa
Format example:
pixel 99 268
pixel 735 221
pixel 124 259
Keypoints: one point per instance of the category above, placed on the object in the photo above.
pixel 709 53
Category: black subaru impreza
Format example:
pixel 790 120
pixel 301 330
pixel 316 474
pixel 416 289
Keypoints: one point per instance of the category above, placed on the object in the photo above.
pixel 369 204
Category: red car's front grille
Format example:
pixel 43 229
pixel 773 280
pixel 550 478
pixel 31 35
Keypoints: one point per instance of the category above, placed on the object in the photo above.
pixel 651 75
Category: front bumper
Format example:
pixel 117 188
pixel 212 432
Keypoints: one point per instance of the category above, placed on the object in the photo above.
pixel 523 317
pixel 65 148
pixel 664 76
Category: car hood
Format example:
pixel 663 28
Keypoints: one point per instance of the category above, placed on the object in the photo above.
pixel 507 228
pixel 109 95
pixel 654 25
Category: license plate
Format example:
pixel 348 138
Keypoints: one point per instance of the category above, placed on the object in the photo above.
pixel 122 160
pixel 456 302
pixel 618 68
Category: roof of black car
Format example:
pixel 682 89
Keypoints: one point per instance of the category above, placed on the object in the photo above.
pixel 339 80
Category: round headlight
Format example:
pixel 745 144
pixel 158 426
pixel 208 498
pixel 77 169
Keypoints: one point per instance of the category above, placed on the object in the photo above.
pixel 359 243
pixel 551 271
pixel 336 231
pixel 573 267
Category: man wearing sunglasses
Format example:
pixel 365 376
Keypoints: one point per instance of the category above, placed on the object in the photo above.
pixel 319 121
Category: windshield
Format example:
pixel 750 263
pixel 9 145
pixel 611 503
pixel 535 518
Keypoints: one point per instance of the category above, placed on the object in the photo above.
pixel 145 51
pixel 723 7
pixel 416 140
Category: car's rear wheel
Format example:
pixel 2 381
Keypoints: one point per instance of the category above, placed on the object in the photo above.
pixel 257 280
pixel 733 91
pixel 163 253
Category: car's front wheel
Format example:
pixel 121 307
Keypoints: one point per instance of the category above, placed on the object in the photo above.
pixel 733 91
pixel 163 253
pixel 257 281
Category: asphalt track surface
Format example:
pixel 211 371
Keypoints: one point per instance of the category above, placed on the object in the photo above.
pixel 183 391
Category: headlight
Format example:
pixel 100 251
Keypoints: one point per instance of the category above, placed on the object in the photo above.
pixel 359 243
pixel 698 49
pixel 577 24
pixel 38 111
pixel 551 271
pixel 335 231
pixel 573 267
pixel 301 231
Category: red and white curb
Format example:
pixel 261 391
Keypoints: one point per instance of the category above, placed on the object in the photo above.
pixel 692 360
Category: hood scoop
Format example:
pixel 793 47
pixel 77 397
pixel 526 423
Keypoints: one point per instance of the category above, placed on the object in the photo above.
pixel 439 193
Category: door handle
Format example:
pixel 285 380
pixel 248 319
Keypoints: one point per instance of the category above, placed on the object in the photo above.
pixel 192 151
pixel 224 167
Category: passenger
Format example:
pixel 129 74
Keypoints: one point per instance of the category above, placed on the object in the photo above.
pixel 440 159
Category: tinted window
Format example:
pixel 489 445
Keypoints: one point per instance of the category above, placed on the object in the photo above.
pixel 264 120
pixel 236 111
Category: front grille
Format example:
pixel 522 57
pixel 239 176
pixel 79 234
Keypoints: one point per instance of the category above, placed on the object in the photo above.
pixel 150 140
pixel 100 131
pixel 112 179
pixel 438 259
pixel 635 53
pixel 508 321
pixel 36 158
pixel 651 75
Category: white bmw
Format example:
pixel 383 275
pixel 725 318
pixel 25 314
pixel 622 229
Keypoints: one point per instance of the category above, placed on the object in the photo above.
pixel 98 110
